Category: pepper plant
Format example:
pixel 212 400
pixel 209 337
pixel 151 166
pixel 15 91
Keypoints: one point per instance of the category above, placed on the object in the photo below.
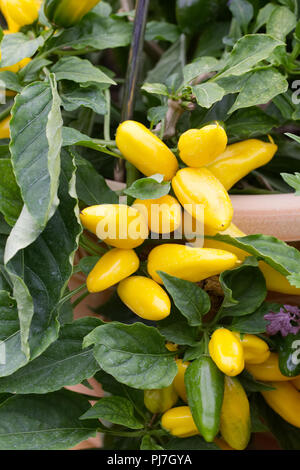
pixel 219 356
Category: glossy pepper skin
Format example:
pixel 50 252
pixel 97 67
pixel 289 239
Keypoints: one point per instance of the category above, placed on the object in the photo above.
pixel 145 298
pixel 66 13
pixel 145 150
pixel 19 13
pixel 163 215
pixel 240 159
pixel 285 401
pixel 227 352
pixel 199 187
pixel 190 264
pixel 4 128
pixel 235 425
pixel 199 147
pixel 205 390
pixel 274 280
pixel 160 400
pixel 179 422
pixel 268 371
pixel 115 265
pixel 255 349
pixel 178 381
pixel 118 225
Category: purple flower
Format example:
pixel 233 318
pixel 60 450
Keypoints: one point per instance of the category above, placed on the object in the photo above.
pixel 286 321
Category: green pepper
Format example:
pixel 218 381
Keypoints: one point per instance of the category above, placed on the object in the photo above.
pixel 192 14
pixel 205 391
pixel 66 13
pixel 289 354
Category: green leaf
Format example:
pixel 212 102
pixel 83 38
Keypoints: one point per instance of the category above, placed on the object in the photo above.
pixel 255 322
pixel 161 31
pixel 157 114
pixel 281 22
pixel 176 329
pixel 79 71
pixel 201 66
pixel 192 301
pixel 31 72
pixel 260 88
pixel 134 354
pixel 10 197
pixel 72 136
pixel 63 364
pixel 207 94
pixel 171 62
pixel 251 385
pixel 148 443
pixel 291 180
pixel 116 410
pixel 282 257
pixel 263 15
pixel 35 150
pixel 87 263
pixel 249 123
pixel 40 273
pixel 152 187
pixel 190 443
pixel 155 88
pixel 194 352
pixel 10 81
pixel 247 52
pixel 242 12
pixel 91 186
pixel 245 290
pixel 73 96
pixel 16 47
pixel 52 421
pixel 93 31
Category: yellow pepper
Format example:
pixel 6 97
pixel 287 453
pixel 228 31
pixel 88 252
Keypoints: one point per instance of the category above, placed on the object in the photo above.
pixel 198 147
pixel 227 352
pixel 66 13
pixel 145 298
pixel 115 265
pixel 178 381
pixel 4 128
pixel 255 349
pixel 296 383
pixel 19 13
pixel 163 215
pixel 118 225
pixel 171 346
pixel 185 262
pixel 222 444
pixel 240 159
pixel 235 424
pixel 179 422
pixel 274 280
pixel 268 370
pixel 285 401
pixel 198 187
pixel 160 400
pixel 145 150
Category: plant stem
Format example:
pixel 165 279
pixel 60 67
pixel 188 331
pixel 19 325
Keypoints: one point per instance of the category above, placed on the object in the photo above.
pixel 93 246
pixel 80 299
pixel 107 115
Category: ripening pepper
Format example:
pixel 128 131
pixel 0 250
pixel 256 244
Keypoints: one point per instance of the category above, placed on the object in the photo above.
pixel 199 147
pixel 145 150
pixel 235 424
pixel 4 128
pixel 198 188
pixel 255 349
pixel 205 390
pixel 275 281
pixel 19 13
pixel 145 298
pixel 163 215
pixel 117 225
pixel 179 422
pixel 226 351
pixel 178 381
pixel 115 265
pixel 268 370
pixel 185 262
pixel 296 383
pixel 66 13
pixel 240 159
pixel 285 401
pixel 160 400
